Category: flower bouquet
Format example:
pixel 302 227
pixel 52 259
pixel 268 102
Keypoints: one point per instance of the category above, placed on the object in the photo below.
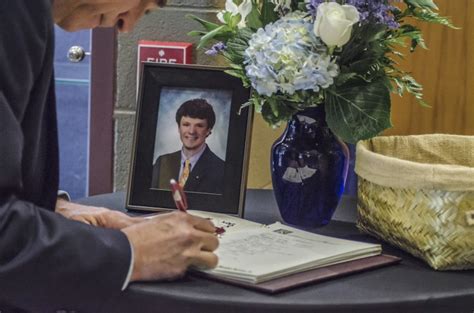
pixel 342 54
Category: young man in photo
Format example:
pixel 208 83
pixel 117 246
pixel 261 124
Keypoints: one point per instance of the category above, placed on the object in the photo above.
pixel 195 166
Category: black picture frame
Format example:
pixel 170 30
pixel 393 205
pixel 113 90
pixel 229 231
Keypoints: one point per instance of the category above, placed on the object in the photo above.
pixel 162 81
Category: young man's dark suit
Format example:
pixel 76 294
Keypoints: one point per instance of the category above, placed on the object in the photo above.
pixel 47 262
pixel 206 175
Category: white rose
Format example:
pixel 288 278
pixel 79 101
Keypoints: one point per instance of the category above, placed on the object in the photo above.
pixel 334 23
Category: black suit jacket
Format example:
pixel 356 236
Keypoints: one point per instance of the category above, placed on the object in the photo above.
pixel 207 175
pixel 47 263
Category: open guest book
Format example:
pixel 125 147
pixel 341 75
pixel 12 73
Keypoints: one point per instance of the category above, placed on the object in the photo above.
pixel 276 257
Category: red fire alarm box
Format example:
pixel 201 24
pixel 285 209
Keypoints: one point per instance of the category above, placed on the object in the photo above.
pixel 163 52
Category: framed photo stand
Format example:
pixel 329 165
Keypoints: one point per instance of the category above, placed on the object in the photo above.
pixel 190 126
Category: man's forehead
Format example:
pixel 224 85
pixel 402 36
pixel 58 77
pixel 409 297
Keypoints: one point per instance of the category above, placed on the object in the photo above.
pixel 193 119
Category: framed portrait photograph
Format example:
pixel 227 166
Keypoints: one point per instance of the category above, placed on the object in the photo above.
pixel 191 127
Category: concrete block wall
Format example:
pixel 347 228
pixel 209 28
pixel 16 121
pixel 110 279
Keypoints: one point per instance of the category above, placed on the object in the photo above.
pixel 166 24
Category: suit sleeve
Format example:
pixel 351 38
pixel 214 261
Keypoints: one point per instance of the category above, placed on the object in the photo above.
pixel 47 263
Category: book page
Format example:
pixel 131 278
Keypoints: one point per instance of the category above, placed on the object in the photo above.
pixel 228 222
pixel 260 254
pixel 332 244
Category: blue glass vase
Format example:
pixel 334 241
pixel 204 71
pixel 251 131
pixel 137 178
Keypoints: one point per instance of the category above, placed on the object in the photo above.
pixel 309 167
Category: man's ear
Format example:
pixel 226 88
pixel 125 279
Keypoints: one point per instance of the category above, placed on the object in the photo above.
pixel 209 131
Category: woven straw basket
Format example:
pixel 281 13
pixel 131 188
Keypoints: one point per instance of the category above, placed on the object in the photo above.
pixel 417 193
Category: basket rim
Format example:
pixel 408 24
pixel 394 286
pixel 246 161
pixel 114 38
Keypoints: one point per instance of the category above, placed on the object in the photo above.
pixel 395 172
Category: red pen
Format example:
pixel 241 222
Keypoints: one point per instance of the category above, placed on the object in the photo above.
pixel 181 203
pixel 179 196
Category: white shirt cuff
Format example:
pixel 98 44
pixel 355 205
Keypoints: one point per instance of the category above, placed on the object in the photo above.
pixel 64 195
pixel 130 269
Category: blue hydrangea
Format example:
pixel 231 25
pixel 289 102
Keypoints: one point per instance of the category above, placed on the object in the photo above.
pixel 376 11
pixel 286 56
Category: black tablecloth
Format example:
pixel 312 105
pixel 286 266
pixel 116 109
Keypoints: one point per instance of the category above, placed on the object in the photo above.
pixel 410 286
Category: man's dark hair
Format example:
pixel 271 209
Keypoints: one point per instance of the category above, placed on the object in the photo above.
pixel 197 108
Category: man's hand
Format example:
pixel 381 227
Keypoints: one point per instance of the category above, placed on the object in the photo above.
pixel 101 217
pixel 166 245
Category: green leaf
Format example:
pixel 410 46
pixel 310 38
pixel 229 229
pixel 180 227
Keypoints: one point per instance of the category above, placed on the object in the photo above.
pixel 358 112
pixel 364 43
pixel 276 110
pixel 275 107
pixel 196 33
pixel 426 15
pixel 232 20
pixel 235 73
pixel 408 32
pixel 423 4
pixel 407 83
pixel 236 45
pixel 256 102
pixel 207 25
pixel 245 34
pixel 210 35
pixel 253 19
pixel 236 66
pixel 342 78
pixel 268 13
pixel 362 66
